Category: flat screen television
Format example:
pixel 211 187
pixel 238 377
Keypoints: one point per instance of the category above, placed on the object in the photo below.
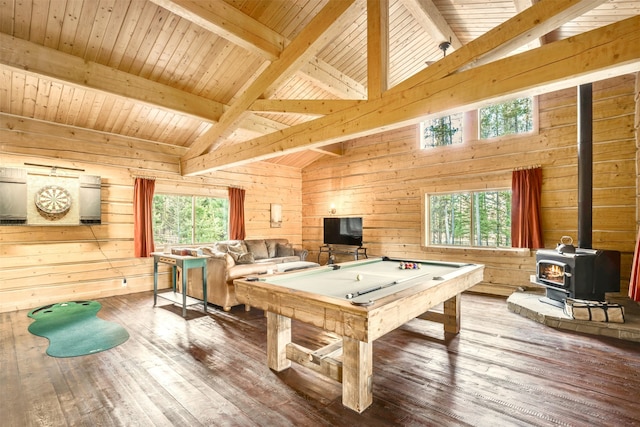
pixel 343 231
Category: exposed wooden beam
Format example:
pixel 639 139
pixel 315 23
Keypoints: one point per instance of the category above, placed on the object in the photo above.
pixel 568 10
pixel 12 124
pixel 41 61
pixel 29 137
pixel 222 19
pixel 318 107
pixel 334 150
pixel 377 47
pixel 430 18
pixel 598 54
pixel 515 32
pixel 332 80
pixel 331 20
pixel 520 6
pixel 229 23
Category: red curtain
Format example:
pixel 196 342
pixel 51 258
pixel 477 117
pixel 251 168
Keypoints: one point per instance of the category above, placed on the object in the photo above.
pixel 634 283
pixel 142 217
pixel 526 195
pixel 236 214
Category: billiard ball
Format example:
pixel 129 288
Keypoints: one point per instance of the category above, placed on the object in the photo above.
pixel 359 277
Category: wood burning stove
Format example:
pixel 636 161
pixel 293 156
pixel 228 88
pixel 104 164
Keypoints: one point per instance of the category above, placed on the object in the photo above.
pixel 584 274
pixel 580 273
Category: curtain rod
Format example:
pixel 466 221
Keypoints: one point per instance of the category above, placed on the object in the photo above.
pixel 521 168
pixel 153 178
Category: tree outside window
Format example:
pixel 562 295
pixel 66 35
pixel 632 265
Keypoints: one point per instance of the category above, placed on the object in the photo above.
pixel 441 131
pixel 470 219
pixel 507 118
pixel 189 219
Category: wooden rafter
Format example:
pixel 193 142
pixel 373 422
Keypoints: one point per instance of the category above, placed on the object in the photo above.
pixel 28 57
pixel 428 15
pixel 302 106
pixel 586 57
pixel 561 11
pixel 516 32
pixel 222 19
pixel 377 47
pixel 323 27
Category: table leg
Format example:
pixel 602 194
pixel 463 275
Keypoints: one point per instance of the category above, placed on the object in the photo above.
pixel 357 374
pixel 174 273
pixel 278 336
pixel 184 292
pixel 204 286
pixel 155 282
pixel 452 315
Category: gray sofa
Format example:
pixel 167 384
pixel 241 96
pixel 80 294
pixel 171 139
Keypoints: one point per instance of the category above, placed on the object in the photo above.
pixel 232 259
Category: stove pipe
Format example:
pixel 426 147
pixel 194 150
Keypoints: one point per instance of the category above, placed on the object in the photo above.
pixel 585 165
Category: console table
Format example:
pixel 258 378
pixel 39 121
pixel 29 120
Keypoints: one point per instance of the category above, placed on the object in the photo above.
pixel 184 263
pixel 356 251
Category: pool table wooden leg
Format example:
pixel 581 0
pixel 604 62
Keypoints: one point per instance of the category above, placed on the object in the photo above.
pixel 357 374
pixel 278 336
pixel 452 315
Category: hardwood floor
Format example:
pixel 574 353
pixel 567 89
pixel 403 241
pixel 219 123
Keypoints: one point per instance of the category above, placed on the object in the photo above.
pixel 210 370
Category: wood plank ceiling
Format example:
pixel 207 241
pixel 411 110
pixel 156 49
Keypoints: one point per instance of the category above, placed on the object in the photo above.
pixel 203 76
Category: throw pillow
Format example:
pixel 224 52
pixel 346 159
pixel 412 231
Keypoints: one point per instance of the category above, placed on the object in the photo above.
pixel 242 257
pixel 258 248
pixel 284 250
pixel 246 258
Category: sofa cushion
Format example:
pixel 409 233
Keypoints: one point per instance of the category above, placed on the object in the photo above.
pixel 242 270
pixel 258 248
pixel 272 246
pixel 235 245
pixel 242 258
pixel 278 260
pixel 284 250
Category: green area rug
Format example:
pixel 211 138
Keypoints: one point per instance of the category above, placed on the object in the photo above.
pixel 73 329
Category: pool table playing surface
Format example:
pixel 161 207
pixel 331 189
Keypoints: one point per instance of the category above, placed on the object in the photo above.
pixel 363 282
pixel 360 301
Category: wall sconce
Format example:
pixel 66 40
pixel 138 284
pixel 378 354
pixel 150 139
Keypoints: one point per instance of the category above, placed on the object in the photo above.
pixel 276 215
pixel 332 209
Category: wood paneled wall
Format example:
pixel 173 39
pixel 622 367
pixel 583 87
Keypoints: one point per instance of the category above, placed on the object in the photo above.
pixel 383 179
pixel 40 265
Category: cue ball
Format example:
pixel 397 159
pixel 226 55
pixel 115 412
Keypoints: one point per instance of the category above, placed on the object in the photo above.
pixel 359 277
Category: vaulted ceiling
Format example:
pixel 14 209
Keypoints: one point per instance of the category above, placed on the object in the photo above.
pixel 234 81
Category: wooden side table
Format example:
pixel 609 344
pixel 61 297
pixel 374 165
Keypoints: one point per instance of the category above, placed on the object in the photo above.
pixel 185 263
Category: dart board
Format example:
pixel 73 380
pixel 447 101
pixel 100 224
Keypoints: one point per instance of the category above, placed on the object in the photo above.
pixel 52 201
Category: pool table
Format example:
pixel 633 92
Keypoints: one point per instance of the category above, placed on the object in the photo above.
pixel 359 301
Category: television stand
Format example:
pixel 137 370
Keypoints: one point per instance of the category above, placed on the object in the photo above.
pixel 331 250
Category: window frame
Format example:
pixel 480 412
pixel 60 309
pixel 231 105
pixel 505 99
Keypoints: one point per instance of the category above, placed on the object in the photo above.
pixel 193 197
pixel 471 125
pixel 426 221
pixel 534 126
pixel 422 127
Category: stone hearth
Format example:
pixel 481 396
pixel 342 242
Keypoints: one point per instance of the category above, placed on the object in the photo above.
pixel 528 304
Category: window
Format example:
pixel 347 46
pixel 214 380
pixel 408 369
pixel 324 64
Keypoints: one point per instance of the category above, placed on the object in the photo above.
pixel 189 219
pixel 469 219
pixel 446 130
pixel 507 118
